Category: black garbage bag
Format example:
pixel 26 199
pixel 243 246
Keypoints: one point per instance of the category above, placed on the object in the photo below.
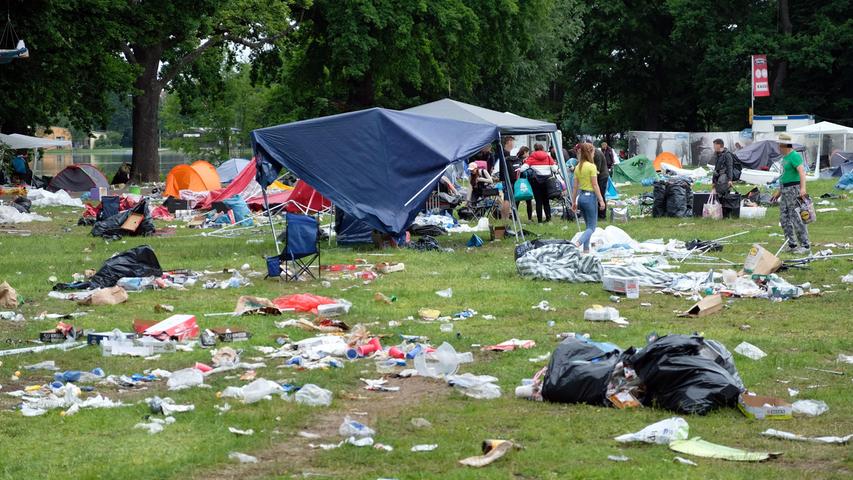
pixel 687 375
pixel 430 230
pixel 578 373
pixel 136 262
pixel 659 199
pixel 111 227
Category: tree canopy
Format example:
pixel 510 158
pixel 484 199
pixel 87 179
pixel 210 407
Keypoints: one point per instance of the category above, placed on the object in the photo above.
pixel 224 67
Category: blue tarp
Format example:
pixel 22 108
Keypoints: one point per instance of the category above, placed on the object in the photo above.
pixel 378 165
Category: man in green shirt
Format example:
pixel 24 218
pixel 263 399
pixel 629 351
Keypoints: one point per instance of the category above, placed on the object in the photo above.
pixel 792 190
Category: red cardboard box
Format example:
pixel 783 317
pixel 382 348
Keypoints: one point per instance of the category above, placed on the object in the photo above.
pixel 177 327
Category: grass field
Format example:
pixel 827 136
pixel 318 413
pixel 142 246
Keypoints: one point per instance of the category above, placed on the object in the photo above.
pixel 560 441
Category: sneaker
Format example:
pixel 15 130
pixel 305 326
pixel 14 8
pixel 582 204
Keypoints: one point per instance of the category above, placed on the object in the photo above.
pixel 802 250
pixel 790 248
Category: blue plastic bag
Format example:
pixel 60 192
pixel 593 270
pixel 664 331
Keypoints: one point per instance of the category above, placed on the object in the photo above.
pixel 522 190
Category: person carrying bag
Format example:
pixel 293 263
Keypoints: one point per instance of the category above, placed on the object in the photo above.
pixel 542 166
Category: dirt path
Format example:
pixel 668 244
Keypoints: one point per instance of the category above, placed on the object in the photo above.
pixel 292 453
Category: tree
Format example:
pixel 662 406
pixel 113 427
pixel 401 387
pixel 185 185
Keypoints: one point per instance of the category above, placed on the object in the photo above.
pixel 162 38
pixel 222 109
pixel 396 53
pixel 70 72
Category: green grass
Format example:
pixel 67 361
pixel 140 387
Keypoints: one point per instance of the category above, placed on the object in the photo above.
pixel 561 441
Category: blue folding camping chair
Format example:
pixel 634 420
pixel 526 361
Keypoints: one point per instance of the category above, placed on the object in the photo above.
pixel 301 246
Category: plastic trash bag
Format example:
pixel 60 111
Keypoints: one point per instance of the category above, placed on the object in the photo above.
pixel 810 408
pixel 313 396
pixel 750 351
pixel 186 378
pixel 111 227
pixel 352 428
pixel 661 433
pixel 578 373
pixel 481 387
pixel 302 302
pixel 136 262
pixel 682 375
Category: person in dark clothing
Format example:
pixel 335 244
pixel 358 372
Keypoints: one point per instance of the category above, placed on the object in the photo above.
pixel 609 156
pixel 122 176
pixel 723 169
pixel 515 163
pixel 603 177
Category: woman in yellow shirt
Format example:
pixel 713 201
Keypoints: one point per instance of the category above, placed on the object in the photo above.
pixel 587 194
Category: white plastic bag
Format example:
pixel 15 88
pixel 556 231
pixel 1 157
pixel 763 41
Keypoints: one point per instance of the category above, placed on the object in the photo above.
pixel 750 351
pixel 661 433
pixel 186 378
pixel 313 396
pixel 810 408
pixel 352 428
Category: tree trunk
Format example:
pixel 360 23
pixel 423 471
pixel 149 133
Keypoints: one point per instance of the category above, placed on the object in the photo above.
pixel 786 28
pixel 146 112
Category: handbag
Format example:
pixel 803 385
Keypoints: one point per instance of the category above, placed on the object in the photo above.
pixel 805 209
pixel 712 209
pixel 522 190
pixel 554 189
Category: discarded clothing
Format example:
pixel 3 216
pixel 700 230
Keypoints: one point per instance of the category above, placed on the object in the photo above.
pixel 559 262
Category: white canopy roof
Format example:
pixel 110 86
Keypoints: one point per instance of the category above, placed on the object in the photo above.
pixel 827 128
pixel 16 141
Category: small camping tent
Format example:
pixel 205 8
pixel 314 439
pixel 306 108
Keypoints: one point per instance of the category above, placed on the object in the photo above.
pixel 229 169
pixel 634 170
pixel 762 154
pixel 81 177
pixel 666 157
pixel 199 177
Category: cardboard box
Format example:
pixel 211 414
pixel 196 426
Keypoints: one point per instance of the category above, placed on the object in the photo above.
pixel 760 407
pixel 133 221
pixel 232 334
pixel 706 306
pixel 95 338
pixel 52 336
pixel 497 232
pixel 760 261
pixel 620 284
pixel 178 327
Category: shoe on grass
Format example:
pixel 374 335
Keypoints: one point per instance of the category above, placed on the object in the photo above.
pixel 802 250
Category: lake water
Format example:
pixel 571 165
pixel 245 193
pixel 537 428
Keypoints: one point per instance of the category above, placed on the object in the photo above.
pixel 52 163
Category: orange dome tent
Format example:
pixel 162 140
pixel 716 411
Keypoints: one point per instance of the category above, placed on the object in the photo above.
pixel 198 177
pixel 666 157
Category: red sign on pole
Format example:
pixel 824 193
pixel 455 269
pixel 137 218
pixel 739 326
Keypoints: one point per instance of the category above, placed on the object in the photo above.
pixel 760 80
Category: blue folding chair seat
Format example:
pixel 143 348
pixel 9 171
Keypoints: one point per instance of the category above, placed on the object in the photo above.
pixel 301 246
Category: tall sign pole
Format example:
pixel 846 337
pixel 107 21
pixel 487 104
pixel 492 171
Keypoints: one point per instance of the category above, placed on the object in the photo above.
pixel 760 81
